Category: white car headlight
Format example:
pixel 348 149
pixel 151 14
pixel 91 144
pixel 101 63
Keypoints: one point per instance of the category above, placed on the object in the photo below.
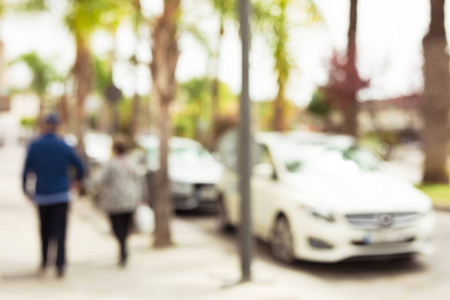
pixel 182 188
pixel 319 213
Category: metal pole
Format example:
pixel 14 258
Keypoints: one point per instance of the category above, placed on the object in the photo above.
pixel 245 235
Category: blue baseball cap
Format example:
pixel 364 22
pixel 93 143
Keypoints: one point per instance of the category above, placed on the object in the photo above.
pixel 52 119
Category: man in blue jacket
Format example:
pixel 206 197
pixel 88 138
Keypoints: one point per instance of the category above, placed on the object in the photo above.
pixel 50 159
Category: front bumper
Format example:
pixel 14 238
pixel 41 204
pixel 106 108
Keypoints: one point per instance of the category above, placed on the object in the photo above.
pixel 348 242
pixel 204 196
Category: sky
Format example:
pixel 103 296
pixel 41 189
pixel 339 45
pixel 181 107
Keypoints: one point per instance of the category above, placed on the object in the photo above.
pixel 388 42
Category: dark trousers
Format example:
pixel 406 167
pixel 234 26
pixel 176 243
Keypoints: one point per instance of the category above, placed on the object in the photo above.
pixel 53 219
pixel 121 227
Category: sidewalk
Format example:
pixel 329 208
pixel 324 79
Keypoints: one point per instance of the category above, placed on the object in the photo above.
pixel 199 266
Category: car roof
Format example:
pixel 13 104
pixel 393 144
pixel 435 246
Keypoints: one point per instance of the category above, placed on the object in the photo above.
pixel 336 140
pixel 152 141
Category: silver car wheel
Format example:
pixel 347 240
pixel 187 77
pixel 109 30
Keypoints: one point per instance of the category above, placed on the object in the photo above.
pixel 281 241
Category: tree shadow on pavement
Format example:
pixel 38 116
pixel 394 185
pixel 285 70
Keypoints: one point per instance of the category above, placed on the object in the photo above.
pixel 21 276
pixel 196 213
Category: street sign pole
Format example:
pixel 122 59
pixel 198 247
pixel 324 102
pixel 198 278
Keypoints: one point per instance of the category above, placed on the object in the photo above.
pixel 245 234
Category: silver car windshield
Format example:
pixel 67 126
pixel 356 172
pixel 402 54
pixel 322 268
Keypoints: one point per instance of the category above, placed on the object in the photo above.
pixel 326 159
pixel 190 154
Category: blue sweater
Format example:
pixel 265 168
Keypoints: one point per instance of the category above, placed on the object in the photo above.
pixel 50 158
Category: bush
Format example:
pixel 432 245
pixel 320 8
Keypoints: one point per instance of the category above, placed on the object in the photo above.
pixel 28 123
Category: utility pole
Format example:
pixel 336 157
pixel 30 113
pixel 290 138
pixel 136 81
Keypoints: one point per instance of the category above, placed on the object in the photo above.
pixel 245 234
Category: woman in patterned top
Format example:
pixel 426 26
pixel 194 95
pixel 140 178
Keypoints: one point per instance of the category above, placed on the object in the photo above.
pixel 121 189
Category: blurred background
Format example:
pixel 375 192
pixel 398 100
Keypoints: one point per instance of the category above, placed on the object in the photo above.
pixel 309 69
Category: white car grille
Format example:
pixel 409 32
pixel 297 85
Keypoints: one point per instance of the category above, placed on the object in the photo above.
pixel 383 220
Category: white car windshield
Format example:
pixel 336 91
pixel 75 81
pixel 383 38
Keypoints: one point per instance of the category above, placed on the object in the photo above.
pixel 180 155
pixel 326 159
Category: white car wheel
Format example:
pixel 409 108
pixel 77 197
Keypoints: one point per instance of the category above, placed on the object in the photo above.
pixel 281 241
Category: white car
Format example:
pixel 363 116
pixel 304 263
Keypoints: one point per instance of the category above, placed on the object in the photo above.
pixel 193 171
pixel 322 198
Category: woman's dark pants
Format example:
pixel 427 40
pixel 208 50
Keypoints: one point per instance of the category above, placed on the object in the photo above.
pixel 121 225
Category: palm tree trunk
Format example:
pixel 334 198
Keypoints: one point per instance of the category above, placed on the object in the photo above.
pixel 350 118
pixel 279 122
pixel 351 43
pixel 215 91
pixel 165 58
pixel 162 205
pixel 83 75
pixel 41 108
pixel 351 108
pixel 435 106
pixel 136 104
pixel 135 115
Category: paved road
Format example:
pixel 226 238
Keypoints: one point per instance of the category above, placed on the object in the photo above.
pixel 424 277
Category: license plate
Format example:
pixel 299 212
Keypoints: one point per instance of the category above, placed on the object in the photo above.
pixel 208 193
pixel 387 237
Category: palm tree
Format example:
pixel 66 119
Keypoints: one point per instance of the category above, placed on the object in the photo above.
pixel 226 9
pixel 283 66
pixel 83 18
pixel 436 97
pixel 165 58
pixel 43 74
pixel 272 20
pixel 137 20
pixel 25 6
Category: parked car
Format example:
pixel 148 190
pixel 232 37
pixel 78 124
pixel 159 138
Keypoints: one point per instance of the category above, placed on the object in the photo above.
pixel 323 198
pixel 193 171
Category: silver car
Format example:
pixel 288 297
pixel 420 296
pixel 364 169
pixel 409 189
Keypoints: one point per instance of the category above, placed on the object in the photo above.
pixel 193 172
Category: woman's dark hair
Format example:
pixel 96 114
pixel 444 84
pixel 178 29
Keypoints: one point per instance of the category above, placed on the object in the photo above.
pixel 120 144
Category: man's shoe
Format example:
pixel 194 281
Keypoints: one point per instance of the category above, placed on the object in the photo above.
pixel 60 272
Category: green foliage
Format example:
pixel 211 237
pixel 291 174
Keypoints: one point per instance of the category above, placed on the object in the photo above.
pixel 84 17
pixel 184 126
pixel 93 121
pixel 390 138
pixel 194 97
pixel 125 114
pixel 28 123
pixel 43 72
pixel 225 8
pixel 318 105
pixel 439 194
pixel 381 142
pixel 194 105
pixel 272 19
pixel 30 6
pixel 265 113
pixel 2 8
pixel 103 74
